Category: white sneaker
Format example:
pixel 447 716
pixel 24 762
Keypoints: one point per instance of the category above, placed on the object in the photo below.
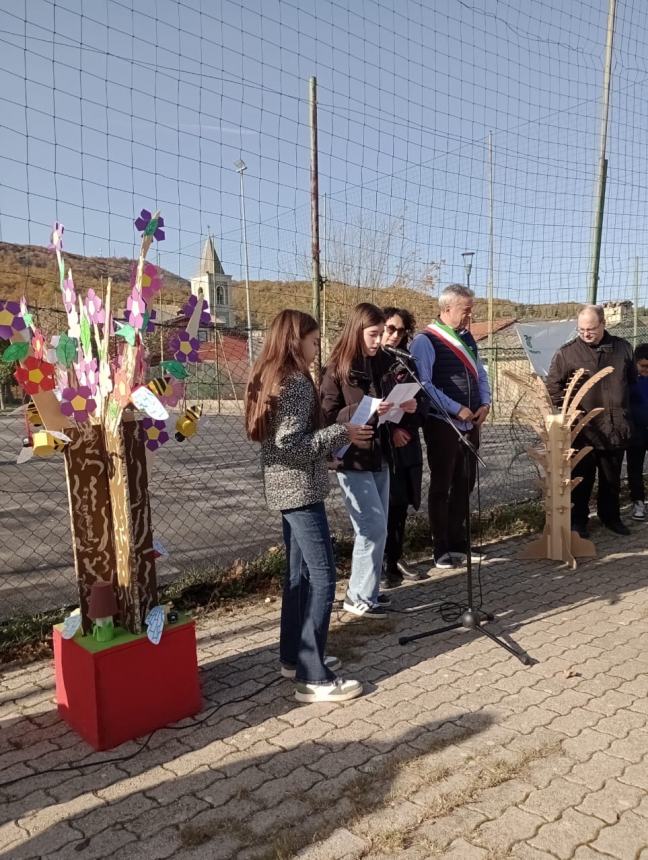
pixel 638 511
pixel 445 561
pixel 332 663
pixel 338 691
pixel 476 555
pixel 365 610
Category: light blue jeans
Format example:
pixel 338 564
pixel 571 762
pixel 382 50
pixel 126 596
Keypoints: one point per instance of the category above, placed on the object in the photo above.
pixel 366 497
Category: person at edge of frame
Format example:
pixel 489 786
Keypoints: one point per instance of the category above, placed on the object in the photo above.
pixel 608 433
pixel 638 444
pixel 452 373
pixel 407 456
pixel 282 412
pixel 356 368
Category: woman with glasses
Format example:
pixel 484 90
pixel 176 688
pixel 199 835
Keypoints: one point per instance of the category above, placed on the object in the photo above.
pixel 407 459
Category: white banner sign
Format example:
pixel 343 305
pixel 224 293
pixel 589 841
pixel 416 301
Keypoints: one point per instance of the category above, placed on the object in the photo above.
pixel 541 340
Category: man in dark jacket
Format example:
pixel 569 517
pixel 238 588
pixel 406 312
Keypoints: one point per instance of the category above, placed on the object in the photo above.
pixel 608 433
pixel 457 384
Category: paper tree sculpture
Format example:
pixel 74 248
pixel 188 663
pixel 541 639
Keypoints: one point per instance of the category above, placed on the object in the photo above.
pixel 557 457
pixel 104 415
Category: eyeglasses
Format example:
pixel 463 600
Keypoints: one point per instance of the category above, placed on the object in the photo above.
pixel 392 329
pixel 589 330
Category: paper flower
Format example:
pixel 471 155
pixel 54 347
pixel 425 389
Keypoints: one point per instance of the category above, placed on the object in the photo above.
pixel 24 312
pixel 148 325
pixel 184 347
pixel 11 319
pixel 149 225
pixel 174 393
pixel 136 307
pixel 189 307
pixel 96 313
pixel 87 373
pixel 69 294
pixel 77 403
pixel 151 280
pixel 155 433
pixel 36 375
pixel 121 389
pixel 38 344
pixel 56 237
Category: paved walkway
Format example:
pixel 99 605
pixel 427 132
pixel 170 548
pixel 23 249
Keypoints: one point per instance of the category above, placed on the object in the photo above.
pixel 457 750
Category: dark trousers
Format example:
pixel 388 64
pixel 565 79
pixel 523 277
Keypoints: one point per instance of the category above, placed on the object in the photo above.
pixel 395 535
pixel 635 461
pixel 309 589
pixel 608 465
pixel 452 478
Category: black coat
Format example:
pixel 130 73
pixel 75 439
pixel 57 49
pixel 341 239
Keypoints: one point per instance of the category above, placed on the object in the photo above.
pixel 613 427
pixel 407 462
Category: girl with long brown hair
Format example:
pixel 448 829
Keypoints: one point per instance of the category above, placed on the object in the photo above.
pixel 356 368
pixel 282 412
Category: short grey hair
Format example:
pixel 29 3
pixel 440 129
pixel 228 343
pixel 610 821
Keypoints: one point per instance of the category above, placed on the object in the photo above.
pixel 598 310
pixel 451 293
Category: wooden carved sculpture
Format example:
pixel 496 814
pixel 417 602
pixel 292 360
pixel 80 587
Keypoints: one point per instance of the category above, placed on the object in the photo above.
pixel 85 402
pixel 557 457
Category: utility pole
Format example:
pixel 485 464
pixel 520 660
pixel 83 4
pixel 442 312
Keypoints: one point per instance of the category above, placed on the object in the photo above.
pixel 314 195
pixel 492 370
pixel 635 309
pixel 597 230
pixel 240 167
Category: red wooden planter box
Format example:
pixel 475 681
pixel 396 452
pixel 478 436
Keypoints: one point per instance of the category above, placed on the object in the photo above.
pixel 113 692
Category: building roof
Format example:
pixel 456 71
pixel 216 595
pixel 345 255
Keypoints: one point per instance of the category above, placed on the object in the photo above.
pixel 480 330
pixel 209 262
pixel 230 350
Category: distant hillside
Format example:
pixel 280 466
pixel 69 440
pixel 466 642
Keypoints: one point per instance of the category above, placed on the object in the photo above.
pixel 31 270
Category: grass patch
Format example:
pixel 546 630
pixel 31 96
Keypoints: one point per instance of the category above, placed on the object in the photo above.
pixel 28 637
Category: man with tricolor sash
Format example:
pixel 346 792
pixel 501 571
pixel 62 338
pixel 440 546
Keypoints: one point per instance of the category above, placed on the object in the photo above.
pixel 456 381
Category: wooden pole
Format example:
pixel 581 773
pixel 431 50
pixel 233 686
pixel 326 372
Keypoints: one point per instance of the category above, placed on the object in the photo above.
pixel 314 195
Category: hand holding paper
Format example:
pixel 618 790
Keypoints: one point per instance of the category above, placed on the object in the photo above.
pixel 366 408
pixel 398 397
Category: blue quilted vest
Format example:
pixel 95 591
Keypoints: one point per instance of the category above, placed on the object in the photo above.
pixel 450 375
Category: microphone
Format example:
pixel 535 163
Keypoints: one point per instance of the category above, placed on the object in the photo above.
pixel 402 354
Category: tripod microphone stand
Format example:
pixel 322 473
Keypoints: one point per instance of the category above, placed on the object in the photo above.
pixel 471 617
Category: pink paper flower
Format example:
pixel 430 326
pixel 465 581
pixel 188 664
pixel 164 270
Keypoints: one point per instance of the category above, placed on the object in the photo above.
pixel 174 393
pixel 151 280
pixel 94 309
pixel 121 389
pixel 136 308
pixel 155 433
pixel 77 403
pixel 56 237
pixel 69 294
pixel 87 373
pixel 38 344
pixel 184 347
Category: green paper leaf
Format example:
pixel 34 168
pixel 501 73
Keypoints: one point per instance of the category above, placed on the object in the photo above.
pixel 146 316
pixel 85 335
pixel 126 331
pixel 15 352
pixel 175 368
pixel 151 227
pixel 29 319
pixel 66 350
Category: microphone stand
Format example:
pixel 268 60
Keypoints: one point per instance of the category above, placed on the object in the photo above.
pixel 471 617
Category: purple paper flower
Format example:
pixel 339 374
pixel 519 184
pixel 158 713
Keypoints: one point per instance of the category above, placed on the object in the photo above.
pixel 189 307
pixel 69 294
pixel 155 433
pixel 184 347
pixel 77 403
pixel 56 237
pixel 87 373
pixel 94 309
pixel 10 319
pixel 136 308
pixel 150 226
pixel 150 322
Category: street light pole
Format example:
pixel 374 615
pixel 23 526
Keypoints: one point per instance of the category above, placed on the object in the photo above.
pixel 241 167
pixel 468 262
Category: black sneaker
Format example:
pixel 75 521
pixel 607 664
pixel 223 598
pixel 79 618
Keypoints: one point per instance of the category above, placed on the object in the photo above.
pixel 383 600
pixel 365 610
pixel 410 575
pixel 618 528
pixel 388 582
pixel 581 530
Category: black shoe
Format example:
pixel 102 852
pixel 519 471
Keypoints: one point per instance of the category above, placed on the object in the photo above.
pixel 388 582
pixel 410 575
pixel 581 530
pixel 617 527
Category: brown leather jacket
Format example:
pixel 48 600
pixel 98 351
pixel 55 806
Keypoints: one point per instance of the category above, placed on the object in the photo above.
pixel 612 428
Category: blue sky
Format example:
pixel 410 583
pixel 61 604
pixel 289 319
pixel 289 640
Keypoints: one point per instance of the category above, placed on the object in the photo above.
pixel 109 106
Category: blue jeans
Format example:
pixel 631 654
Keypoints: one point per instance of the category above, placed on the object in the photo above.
pixel 309 590
pixel 366 496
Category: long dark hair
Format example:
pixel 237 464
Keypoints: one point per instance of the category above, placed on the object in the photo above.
pixel 348 347
pixel 280 357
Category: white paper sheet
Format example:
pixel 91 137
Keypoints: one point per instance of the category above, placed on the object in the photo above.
pixel 399 394
pixel 363 413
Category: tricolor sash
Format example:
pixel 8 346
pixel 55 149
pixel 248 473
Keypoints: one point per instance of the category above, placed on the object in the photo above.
pixel 451 339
